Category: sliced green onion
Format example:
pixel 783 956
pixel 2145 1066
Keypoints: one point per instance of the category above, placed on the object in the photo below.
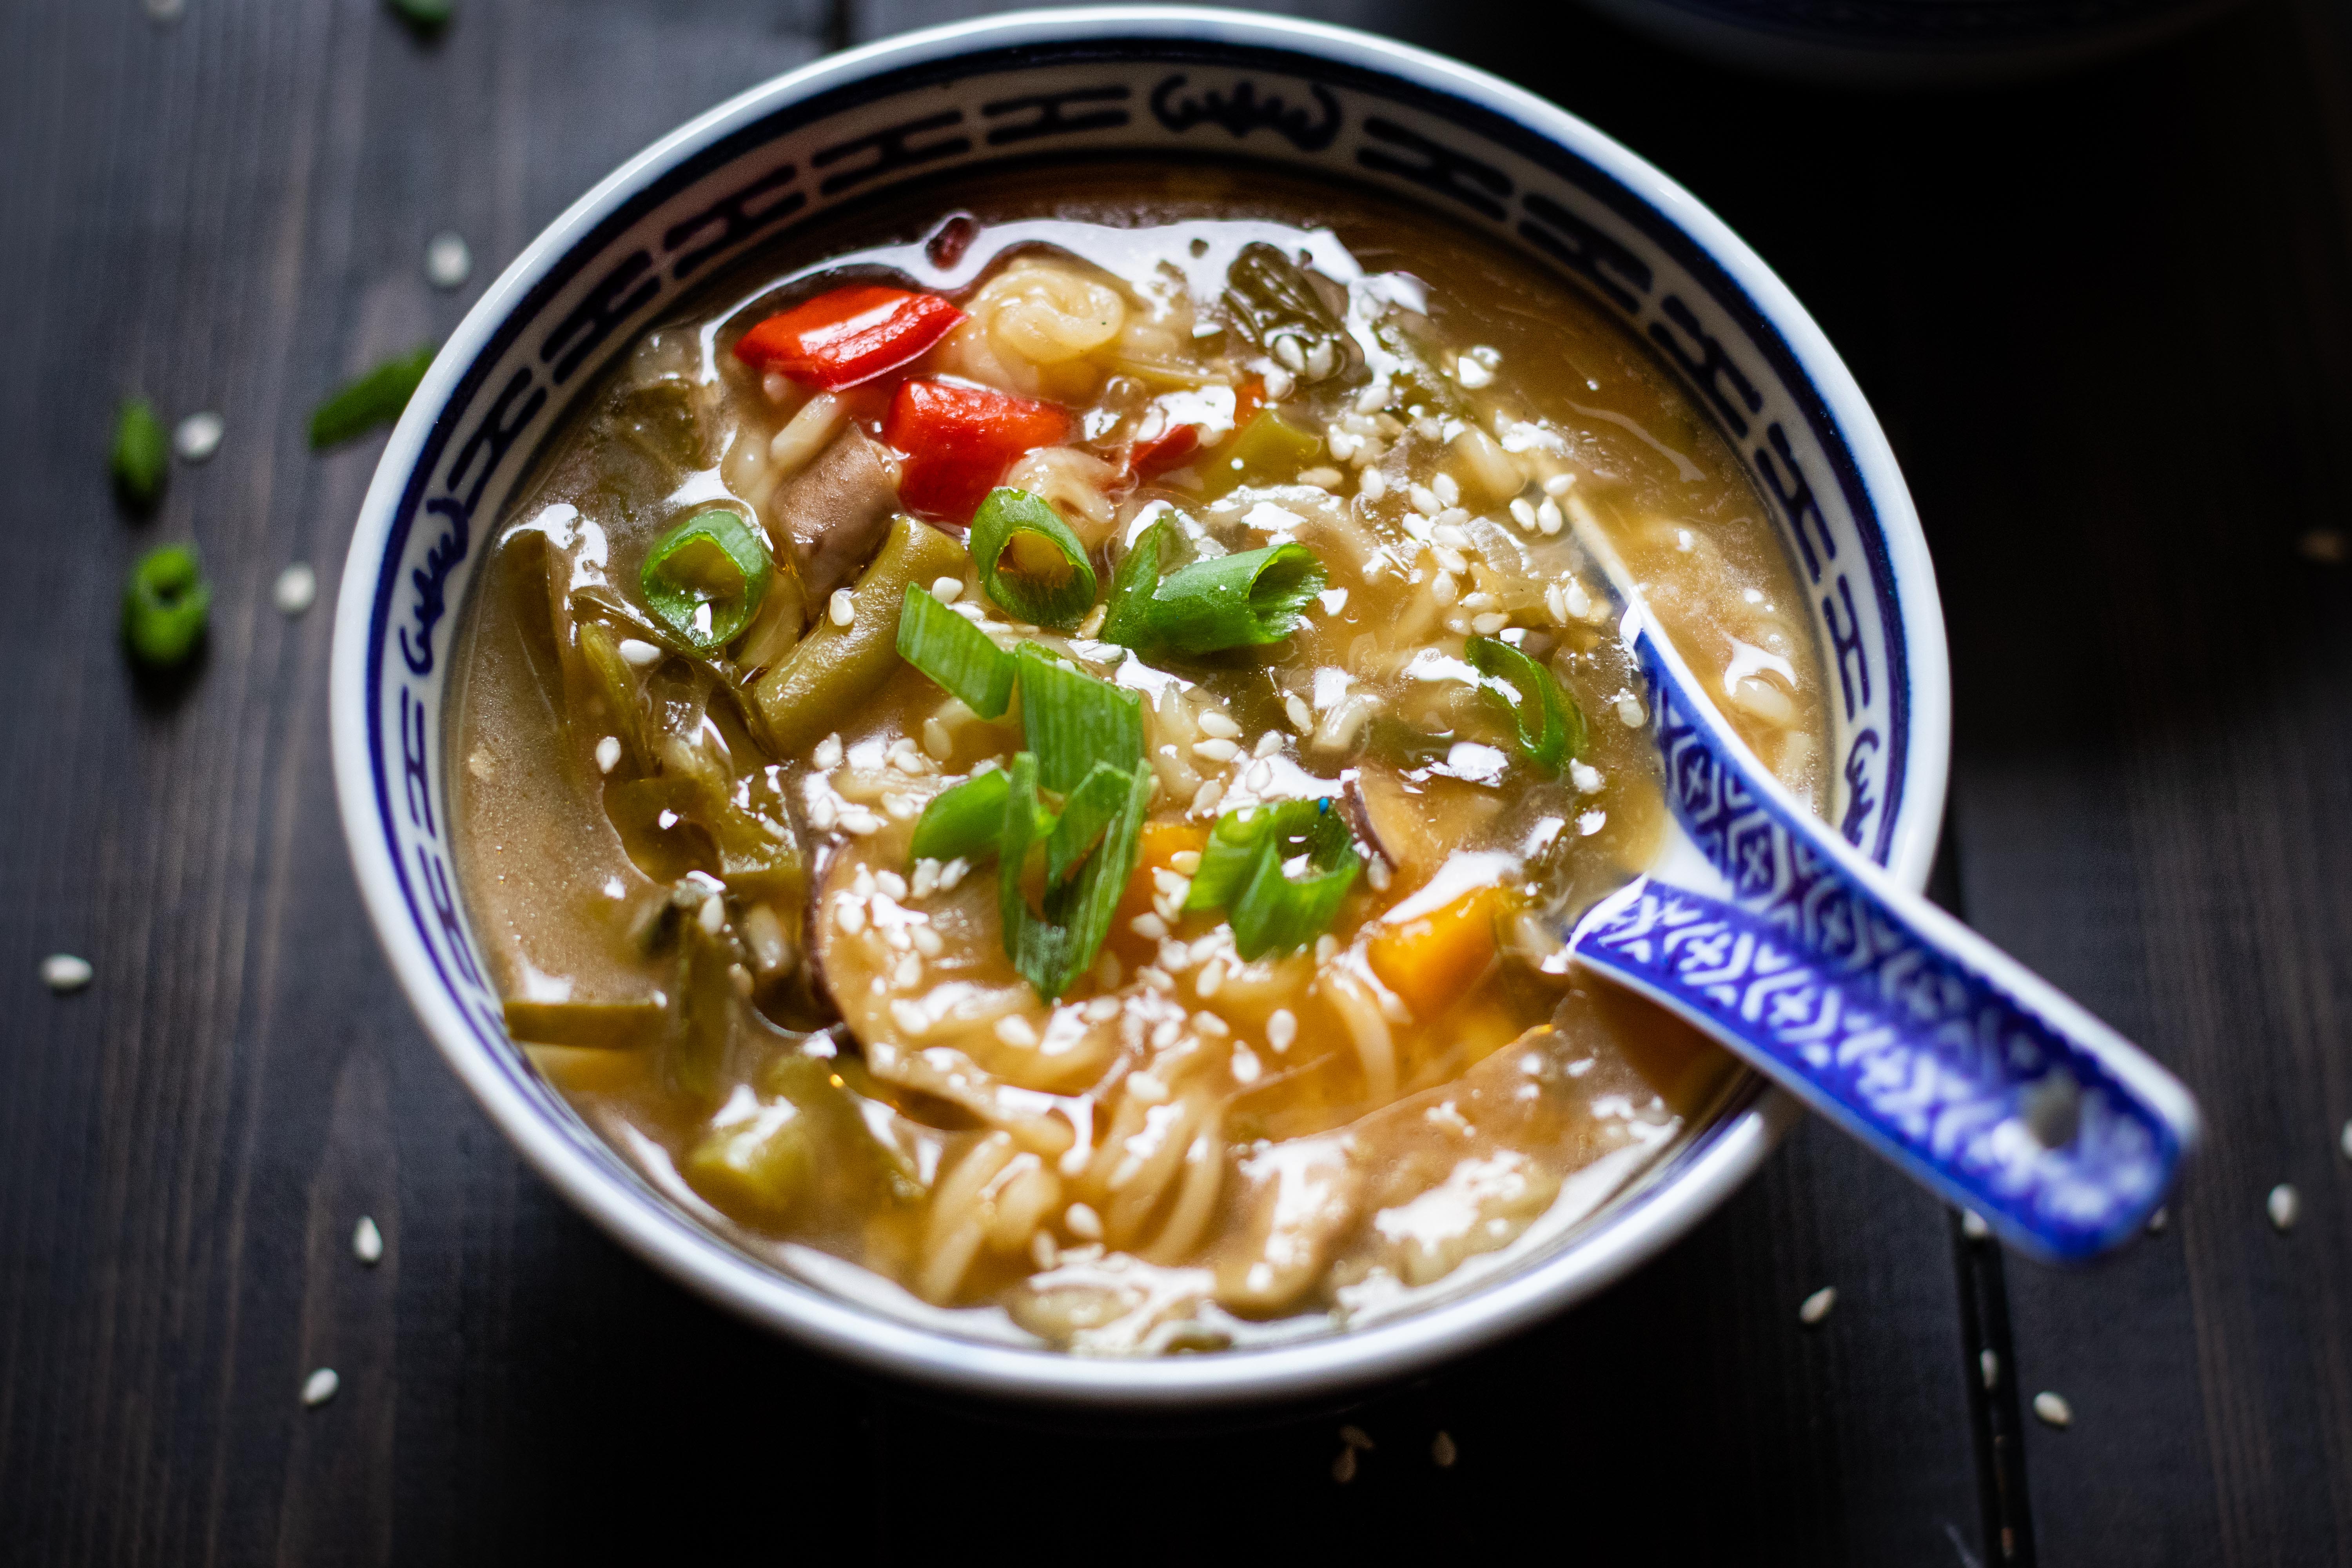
pixel 1269 450
pixel 1126 617
pixel 164 605
pixel 1053 949
pixel 1244 600
pixel 1072 721
pixel 1245 869
pixel 963 822
pixel 425 14
pixel 140 456
pixel 1086 810
pixel 955 653
pixel 1550 726
pixel 372 398
pixel 705 578
pixel 1030 562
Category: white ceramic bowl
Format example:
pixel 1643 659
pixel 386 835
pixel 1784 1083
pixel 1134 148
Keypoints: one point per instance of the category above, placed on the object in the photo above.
pixel 1067 85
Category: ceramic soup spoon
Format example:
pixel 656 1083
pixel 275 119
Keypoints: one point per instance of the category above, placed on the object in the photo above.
pixel 1765 928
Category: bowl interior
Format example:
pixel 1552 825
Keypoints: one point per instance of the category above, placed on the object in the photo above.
pixel 1071 85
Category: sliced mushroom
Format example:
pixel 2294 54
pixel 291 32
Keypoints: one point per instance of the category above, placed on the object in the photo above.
pixel 1300 1198
pixel 833 513
pixel 1392 820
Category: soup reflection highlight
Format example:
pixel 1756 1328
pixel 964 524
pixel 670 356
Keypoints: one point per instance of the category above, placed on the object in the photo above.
pixel 1050 761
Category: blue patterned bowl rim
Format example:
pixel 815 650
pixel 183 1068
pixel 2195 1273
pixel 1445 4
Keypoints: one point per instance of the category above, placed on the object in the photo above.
pixel 1537 176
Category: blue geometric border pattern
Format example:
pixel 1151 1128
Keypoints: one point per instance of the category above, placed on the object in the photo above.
pixel 1873 1023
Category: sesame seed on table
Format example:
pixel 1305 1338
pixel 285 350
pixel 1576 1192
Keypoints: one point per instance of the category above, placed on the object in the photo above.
pixel 2102 317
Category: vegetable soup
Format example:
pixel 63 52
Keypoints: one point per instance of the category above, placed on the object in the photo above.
pixel 1038 765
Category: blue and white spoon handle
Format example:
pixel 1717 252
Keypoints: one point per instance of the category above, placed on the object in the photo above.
pixel 1768 932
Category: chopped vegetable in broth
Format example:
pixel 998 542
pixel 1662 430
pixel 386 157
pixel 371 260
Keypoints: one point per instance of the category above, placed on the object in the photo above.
pixel 1054 767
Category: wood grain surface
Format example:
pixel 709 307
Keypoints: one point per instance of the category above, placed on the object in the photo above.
pixel 2105 318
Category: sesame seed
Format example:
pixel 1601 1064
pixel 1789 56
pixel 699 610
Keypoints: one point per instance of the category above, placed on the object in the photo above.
pixel 1447 492
pixel 1988 1369
pixel 1081 1221
pixel 1585 777
pixel 1629 711
pixel 198 437
pixel 947 590
pixel 861 821
pixel 367 1242
pixel 1281 1029
pixel 1442 587
pixel 1591 822
pixel 1343 1468
pixel 1327 947
pixel 1817 1306
pixel 953 872
pixel 911 1017
pixel 841 609
pixel 1548 518
pixel 712 915
pixel 448 260
pixel 2053 1410
pixel 1279 385
pixel 1302 719
pixel 1287 350
pixel 62 972
pixel 638 653
pixel 850 916
pixel 296 590
pixel 1523 512
pixel 1973 1226
pixel 1441 1451
pixel 1206 797
pixel 1218 726
pixel 1151 928
pixel 319 1386
pixel 827 754
pixel 1424 499
pixel 1558 484
pixel 1220 752
pixel 1373 484
pixel 2285 1207
pixel 1490 623
pixel 1471 373
pixel 1156 979
pixel 608 753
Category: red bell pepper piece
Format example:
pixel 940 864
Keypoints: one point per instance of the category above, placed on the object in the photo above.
pixel 960 439
pixel 1167 450
pixel 848 336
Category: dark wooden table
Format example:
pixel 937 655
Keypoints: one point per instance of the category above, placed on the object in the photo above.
pixel 2107 321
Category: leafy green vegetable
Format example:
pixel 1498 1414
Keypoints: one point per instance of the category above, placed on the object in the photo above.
pixel 955 653
pixel 372 398
pixel 141 455
pixel 166 604
pixel 1549 725
pixel 1029 562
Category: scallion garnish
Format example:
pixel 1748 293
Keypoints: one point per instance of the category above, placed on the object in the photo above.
pixel 955 653
pixel 372 398
pixel 1127 615
pixel 424 15
pixel 1072 721
pixel 1086 810
pixel 1053 949
pixel 164 605
pixel 1246 870
pixel 1029 562
pixel 1244 600
pixel 705 578
pixel 1549 725
pixel 963 822
pixel 139 454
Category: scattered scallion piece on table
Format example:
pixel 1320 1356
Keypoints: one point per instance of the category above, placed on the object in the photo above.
pixel 372 398
pixel 166 604
pixel 1072 721
pixel 425 14
pixel 1549 725
pixel 1245 869
pixel 1029 562
pixel 140 453
pixel 705 578
pixel 955 653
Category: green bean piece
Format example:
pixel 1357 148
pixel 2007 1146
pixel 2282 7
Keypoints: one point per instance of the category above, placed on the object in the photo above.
pixel 1270 451
pixel 708 1008
pixel 705 578
pixel 601 1025
pixel 763 1165
pixel 616 689
pixel 141 455
pixel 373 397
pixel 817 687
pixel 165 606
